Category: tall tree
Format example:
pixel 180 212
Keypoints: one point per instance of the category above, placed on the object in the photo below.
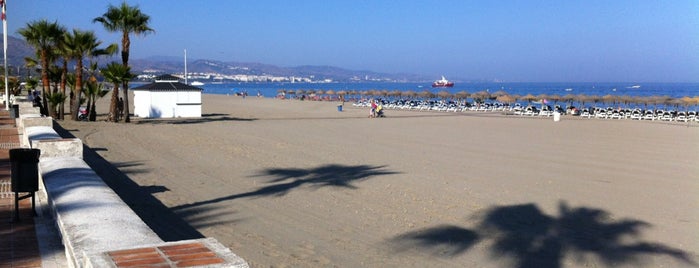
pixel 116 74
pixel 93 90
pixel 125 19
pixel 63 51
pixel 80 44
pixel 43 36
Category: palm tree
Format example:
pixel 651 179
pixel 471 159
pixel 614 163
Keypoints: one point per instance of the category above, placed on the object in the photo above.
pixel 55 99
pixel 43 36
pixel 31 85
pixel 78 45
pixel 125 19
pixel 93 91
pixel 116 74
pixel 63 51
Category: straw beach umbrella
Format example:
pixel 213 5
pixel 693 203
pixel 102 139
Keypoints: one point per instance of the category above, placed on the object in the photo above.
pixel 499 93
pixel 462 95
pixel 568 98
pixel 555 98
pixel 443 94
pixel 408 94
pixel 505 99
pixel 609 99
pixel 395 93
pixel 330 93
pixel 426 94
pixel 581 98
pixel 364 93
pixel 341 95
pixel 529 98
pixel 480 96
pixel 384 93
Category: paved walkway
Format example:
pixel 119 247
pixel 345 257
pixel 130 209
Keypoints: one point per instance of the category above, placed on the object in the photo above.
pixel 33 240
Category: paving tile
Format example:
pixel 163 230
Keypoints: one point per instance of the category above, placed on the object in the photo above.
pixel 19 247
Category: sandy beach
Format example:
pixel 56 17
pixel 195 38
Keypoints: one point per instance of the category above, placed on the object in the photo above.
pixel 287 183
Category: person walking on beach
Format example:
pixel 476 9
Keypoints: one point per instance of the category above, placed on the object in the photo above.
pixel 372 113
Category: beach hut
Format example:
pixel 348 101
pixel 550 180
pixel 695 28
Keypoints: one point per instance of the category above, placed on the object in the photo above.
pixel 167 98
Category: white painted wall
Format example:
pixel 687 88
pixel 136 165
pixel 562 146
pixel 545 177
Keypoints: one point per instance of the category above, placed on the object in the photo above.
pixel 167 104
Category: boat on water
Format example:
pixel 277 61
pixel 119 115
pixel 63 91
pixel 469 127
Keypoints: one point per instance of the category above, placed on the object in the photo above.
pixel 443 83
pixel 197 84
pixel 635 86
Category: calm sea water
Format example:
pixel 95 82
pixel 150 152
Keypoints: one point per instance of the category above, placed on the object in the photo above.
pixel 675 90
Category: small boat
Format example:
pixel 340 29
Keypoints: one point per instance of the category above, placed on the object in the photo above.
pixel 197 84
pixel 635 86
pixel 568 89
pixel 443 83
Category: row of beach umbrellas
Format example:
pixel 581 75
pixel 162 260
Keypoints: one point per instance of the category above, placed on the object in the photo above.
pixel 504 97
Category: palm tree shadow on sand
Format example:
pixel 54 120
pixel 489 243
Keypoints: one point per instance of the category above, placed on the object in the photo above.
pixel 531 238
pixel 283 180
pixel 205 118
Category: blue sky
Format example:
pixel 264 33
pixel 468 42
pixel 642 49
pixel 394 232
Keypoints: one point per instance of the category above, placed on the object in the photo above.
pixel 538 41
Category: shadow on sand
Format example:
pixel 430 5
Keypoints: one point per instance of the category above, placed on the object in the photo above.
pixel 163 221
pixel 530 238
pixel 205 118
pixel 284 180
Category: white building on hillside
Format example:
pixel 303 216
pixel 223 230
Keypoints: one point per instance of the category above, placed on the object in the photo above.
pixel 167 98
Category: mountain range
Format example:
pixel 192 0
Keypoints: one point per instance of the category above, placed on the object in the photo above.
pixel 18 49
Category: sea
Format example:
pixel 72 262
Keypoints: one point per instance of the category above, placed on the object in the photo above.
pixel 673 90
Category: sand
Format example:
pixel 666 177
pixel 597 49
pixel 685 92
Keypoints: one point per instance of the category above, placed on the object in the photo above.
pixel 288 183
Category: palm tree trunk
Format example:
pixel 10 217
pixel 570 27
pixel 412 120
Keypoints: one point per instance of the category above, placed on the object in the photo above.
pixel 126 44
pixel 125 92
pixel 44 78
pixel 78 89
pixel 113 104
pixel 92 114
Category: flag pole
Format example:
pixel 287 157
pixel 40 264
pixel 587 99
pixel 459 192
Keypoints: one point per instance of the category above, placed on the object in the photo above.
pixel 4 43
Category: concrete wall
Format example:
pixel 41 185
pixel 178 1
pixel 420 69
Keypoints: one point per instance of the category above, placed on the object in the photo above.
pixel 91 218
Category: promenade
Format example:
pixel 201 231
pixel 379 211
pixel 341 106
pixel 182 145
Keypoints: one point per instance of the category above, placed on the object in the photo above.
pixel 32 241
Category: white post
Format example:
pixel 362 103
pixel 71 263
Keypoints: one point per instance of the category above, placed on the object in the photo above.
pixel 4 38
pixel 185 67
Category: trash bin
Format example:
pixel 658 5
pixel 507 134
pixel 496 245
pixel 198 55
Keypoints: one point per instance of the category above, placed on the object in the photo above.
pixel 25 169
pixel 14 111
pixel 556 116
pixel 339 108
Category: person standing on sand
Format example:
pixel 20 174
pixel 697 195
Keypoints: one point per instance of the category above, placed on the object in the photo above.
pixel 120 108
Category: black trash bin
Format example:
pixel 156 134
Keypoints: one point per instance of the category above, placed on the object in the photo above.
pixel 14 111
pixel 24 164
pixel 25 169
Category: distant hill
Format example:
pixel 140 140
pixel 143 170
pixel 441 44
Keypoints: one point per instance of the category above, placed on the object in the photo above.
pixel 167 65
pixel 18 49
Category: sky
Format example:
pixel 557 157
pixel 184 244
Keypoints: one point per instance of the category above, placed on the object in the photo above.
pixel 513 41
